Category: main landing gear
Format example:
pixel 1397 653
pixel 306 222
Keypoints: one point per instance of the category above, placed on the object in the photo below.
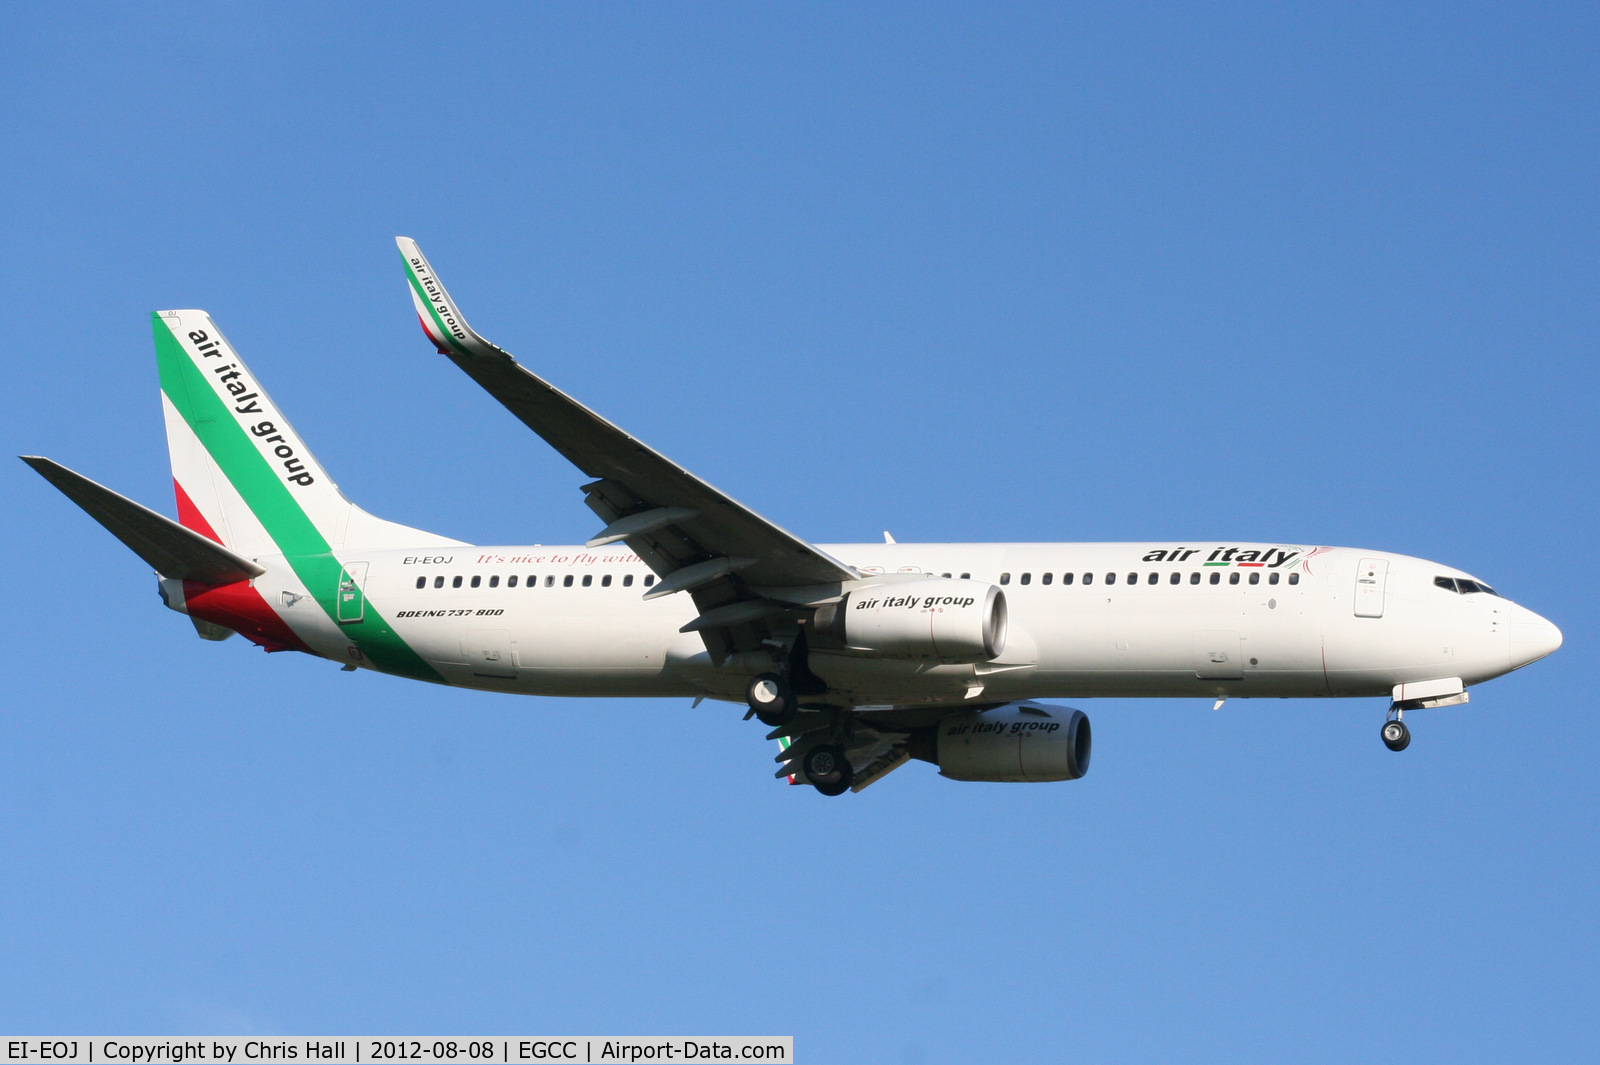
pixel 828 769
pixel 1396 736
pixel 771 699
pixel 774 699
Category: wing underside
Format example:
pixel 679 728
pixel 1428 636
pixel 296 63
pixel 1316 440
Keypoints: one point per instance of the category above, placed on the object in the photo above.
pixel 744 573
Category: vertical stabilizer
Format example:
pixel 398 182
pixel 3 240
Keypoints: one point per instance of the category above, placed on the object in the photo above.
pixel 241 474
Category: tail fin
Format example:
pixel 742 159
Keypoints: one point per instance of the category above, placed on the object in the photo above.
pixel 241 474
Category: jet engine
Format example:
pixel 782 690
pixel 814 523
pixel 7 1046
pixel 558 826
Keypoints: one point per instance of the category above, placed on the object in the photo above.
pixel 1018 742
pixel 939 620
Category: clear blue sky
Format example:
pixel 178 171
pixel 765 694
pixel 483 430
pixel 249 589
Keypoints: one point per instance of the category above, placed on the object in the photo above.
pixel 994 272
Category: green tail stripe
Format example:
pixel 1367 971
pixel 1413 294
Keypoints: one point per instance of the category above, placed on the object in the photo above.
pixel 305 548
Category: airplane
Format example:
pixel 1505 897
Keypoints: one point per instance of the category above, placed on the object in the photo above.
pixel 858 657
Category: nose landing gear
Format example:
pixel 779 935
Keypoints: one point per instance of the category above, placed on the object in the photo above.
pixel 1418 696
pixel 1396 736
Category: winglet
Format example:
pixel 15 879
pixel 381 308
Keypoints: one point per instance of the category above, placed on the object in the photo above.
pixel 438 314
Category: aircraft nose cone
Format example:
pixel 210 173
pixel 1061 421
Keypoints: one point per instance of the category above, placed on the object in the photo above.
pixel 1532 637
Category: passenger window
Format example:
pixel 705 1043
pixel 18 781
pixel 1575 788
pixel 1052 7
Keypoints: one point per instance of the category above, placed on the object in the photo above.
pixel 1294 578
pixel 511 581
pixel 605 582
pixel 1088 578
pixel 966 576
pixel 438 582
pixel 494 582
pixel 1027 578
pixel 588 579
pixel 1133 578
pixel 649 579
pixel 456 583
pixel 1047 578
pixel 550 581
pixel 1194 578
pixel 947 575
pixel 476 581
pixel 1111 578
pixel 1216 578
pixel 1005 578
pixel 1155 578
pixel 1233 578
pixel 1255 578
pixel 422 582
pixel 1066 578
pixel 1447 583
pixel 566 582
pixel 1272 578
pixel 1177 578
pixel 627 580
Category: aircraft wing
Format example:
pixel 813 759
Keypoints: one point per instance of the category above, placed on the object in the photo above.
pixel 696 538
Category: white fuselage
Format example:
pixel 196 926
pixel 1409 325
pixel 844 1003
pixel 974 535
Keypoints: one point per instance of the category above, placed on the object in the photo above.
pixel 571 621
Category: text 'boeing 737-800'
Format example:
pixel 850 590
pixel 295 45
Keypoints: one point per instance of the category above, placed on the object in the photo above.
pixel 858 657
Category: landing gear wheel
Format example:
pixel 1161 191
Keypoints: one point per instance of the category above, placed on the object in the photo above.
pixel 828 769
pixel 771 699
pixel 1396 736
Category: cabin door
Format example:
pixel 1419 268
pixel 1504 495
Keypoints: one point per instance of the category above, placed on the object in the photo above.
pixel 1372 575
pixel 351 598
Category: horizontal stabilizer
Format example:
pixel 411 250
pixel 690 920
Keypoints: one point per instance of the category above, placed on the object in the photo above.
pixel 167 547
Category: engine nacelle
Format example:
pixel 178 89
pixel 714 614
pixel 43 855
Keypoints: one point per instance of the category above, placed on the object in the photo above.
pixel 939 620
pixel 1018 742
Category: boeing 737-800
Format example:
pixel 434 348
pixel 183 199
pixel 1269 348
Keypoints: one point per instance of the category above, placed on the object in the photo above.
pixel 857 657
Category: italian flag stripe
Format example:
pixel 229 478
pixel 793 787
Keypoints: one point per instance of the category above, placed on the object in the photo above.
pixel 269 498
pixel 437 332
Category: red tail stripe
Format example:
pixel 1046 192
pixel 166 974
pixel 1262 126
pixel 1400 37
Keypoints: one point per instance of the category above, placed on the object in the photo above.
pixel 242 609
pixel 189 515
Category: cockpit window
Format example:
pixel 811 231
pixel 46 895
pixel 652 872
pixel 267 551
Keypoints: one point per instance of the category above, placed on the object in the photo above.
pixel 1463 586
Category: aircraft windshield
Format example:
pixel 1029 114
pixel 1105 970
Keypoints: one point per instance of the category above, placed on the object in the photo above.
pixel 1463 586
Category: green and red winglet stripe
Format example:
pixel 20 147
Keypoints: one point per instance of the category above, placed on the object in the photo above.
pixel 428 315
pixel 438 315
